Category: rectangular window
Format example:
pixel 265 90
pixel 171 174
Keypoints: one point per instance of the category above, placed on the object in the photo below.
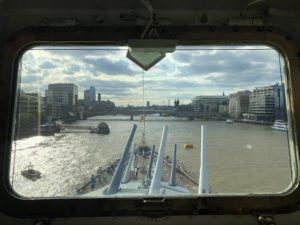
pixel 202 120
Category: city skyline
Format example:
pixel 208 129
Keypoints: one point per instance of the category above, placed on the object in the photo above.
pixel 184 74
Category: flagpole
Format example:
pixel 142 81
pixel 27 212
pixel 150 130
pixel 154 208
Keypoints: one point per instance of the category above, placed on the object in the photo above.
pixel 144 108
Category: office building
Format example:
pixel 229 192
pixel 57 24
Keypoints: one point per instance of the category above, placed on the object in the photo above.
pixel 261 105
pixel 31 103
pixel 61 99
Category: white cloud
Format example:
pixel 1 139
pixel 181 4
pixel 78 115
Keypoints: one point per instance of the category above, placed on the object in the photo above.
pixel 183 74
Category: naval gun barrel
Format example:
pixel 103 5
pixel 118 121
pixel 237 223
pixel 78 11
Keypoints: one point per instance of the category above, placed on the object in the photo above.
pixel 148 174
pixel 114 185
pixel 156 180
pixel 203 187
pixel 128 171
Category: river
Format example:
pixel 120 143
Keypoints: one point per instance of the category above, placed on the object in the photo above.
pixel 242 158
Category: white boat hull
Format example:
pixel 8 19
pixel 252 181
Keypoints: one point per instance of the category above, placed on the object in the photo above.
pixel 280 125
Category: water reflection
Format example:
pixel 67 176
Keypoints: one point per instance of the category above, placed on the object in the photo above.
pixel 242 158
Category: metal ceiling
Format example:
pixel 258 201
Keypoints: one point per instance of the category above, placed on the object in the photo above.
pixel 19 14
pixel 136 4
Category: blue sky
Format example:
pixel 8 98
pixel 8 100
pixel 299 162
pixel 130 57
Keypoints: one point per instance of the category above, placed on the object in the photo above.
pixel 184 74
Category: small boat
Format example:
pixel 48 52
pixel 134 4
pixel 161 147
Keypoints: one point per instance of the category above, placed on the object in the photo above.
pixel 229 121
pixel 280 125
pixel 30 173
pixel 188 146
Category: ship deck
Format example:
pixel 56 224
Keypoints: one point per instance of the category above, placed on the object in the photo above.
pixel 185 183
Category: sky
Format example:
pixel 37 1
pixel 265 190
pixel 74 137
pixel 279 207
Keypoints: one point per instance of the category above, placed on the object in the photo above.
pixel 188 72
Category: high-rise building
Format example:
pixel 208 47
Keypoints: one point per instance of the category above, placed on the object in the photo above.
pixel 209 104
pixel 239 103
pixel 89 96
pixel 61 99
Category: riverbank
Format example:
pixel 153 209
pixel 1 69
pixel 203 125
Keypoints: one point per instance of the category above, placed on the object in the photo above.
pixel 72 124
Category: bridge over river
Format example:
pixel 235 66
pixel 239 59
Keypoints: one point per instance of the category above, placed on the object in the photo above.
pixel 167 112
pixel 134 115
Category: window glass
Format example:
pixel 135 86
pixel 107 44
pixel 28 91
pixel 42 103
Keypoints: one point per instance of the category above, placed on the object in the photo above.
pixel 92 123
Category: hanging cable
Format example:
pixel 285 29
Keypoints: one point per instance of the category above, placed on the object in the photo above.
pixel 144 112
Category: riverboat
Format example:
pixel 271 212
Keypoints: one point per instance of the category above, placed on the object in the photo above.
pixel 280 125
pixel 49 129
pixel 229 121
pixel 102 128
pixel 143 171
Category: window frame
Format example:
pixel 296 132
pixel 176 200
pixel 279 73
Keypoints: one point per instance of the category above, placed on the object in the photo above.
pixel 14 205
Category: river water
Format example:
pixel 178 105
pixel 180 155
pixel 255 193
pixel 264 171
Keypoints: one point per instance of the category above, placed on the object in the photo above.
pixel 242 158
